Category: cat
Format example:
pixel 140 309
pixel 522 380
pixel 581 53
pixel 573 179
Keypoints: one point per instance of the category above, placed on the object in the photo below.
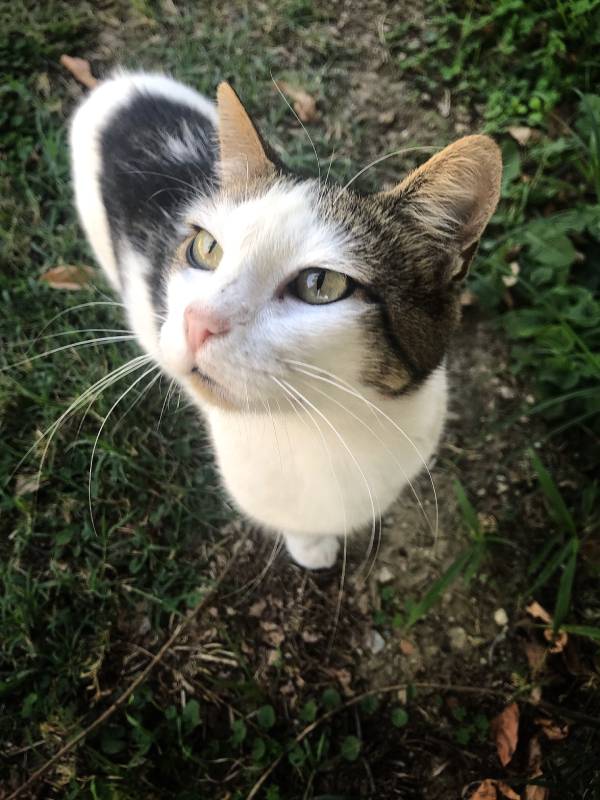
pixel 308 322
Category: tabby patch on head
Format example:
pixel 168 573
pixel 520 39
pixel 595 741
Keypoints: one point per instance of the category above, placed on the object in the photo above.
pixel 263 292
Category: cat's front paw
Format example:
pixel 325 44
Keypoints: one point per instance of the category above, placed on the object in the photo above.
pixel 313 552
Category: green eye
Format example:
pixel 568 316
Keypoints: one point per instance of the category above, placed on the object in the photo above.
pixel 204 252
pixel 321 286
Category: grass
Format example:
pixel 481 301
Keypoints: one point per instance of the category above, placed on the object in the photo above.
pixel 83 602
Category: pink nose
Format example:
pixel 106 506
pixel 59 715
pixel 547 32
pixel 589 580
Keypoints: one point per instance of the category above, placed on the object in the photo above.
pixel 200 324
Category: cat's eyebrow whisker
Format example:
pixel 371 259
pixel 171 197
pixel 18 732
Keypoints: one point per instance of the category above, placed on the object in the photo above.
pixel 101 428
pixel 312 144
pixel 71 346
pixel 354 393
pixel 191 186
pixel 381 441
pixel 376 161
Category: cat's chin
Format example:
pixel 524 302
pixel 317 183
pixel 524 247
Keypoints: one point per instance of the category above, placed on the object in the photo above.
pixel 206 391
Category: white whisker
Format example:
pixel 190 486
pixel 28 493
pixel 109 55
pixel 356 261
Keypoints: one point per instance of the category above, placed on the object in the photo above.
pixel 354 393
pixel 312 144
pixel 71 346
pixel 104 421
pixel 400 152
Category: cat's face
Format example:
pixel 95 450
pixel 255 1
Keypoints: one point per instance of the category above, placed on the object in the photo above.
pixel 262 277
pixel 235 273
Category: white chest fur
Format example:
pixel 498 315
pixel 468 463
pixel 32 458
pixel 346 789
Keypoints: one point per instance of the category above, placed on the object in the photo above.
pixel 327 472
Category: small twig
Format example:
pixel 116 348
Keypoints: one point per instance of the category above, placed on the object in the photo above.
pixel 208 597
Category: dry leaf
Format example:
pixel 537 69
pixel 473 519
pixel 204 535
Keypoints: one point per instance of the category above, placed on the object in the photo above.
pixel 559 640
pixel 535 771
pixel 27 483
pixel 80 69
pixel 305 104
pixel 486 791
pixel 521 134
pixel 536 655
pixel 555 731
pixel 407 647
pixel 536 611
pixel 68 277
pixel 492 789
pixel 505 730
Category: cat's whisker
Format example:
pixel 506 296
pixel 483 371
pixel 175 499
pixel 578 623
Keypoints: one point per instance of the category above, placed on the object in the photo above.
pixel 31 342
pixel 71 346
pixel 77 307
pixel 307 402
pixel 349 389
pixel 401 152
pixel 246 588
pixel 390 453
pixel 101 428
pixel 165 402
pixel 312 144
pixel 381 442
pixel 331 157
pixel 272 418
pixel 91 392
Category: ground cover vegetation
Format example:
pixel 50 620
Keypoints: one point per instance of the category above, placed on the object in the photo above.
pixel 101 558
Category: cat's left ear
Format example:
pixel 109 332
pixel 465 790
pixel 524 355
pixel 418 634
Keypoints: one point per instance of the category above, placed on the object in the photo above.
pixel 453 195
pixel 243 152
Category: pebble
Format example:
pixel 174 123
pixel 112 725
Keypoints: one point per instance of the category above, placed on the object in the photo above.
pixel 458 638
pixel 385 575
pixel 376 642
pixel 500 617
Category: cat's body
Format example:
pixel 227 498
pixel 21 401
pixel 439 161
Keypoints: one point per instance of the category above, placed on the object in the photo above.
pixel 307 322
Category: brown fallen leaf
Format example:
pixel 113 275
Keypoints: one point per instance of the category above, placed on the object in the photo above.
pixel 492 789
pixel 486 791
pixel 555 731
pixel 80 69
pixel 536 655
pixel 533 792
pixel 521 134
pixel 305 104
pixel 537 611
pixel 505 731
pixel 68 276
pixel 558 640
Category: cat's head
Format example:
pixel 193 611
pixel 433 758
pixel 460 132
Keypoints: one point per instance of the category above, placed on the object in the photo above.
pixel 258 271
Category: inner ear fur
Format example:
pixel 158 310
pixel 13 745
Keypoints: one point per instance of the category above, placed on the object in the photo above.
pixel 454 194
pixel 243 152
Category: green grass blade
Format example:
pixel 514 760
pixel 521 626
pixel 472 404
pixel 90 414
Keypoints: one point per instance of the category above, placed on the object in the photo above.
pixel 557 560
pixel 418 610
pixel 565 587
pixel 554 497
pixel 583 630
pixel 468 512
pixel 541 557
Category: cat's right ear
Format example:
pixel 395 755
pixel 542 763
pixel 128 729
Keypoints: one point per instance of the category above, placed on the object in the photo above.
pixel 243 153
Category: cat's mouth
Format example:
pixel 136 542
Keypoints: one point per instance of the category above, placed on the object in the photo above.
pixel 210 390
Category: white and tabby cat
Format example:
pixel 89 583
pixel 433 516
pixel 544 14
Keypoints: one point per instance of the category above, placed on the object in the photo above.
pixel 308 322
